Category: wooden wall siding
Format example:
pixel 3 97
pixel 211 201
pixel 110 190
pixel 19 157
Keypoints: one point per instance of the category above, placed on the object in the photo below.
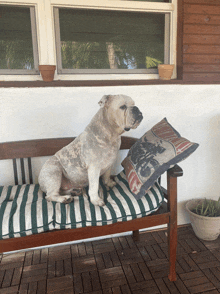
pixel 201 40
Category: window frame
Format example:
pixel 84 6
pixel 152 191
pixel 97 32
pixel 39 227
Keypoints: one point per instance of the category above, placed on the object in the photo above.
pixel 45 30
pixel 34 71
pixel 61 70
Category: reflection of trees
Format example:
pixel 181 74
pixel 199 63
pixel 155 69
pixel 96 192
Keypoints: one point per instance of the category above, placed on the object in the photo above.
pixel 16 50
pixel 105 55
pixel 96 39
pixel 16 54
pixel 111 55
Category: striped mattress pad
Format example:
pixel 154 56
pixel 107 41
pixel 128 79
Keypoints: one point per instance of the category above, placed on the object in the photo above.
pixel 29 213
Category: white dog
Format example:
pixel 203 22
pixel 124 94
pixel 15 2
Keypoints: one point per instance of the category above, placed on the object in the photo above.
pixel 91 154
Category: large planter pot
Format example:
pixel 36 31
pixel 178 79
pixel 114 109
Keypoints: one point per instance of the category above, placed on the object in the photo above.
pixel 47 72
pixel 165 71
pixel 205 228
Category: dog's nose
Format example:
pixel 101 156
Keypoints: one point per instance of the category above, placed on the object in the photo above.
pixel 137 114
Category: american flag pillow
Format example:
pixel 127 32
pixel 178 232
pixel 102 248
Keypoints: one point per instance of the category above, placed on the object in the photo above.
pixel 154 153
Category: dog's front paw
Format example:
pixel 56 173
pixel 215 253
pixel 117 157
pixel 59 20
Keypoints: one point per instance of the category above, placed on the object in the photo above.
pixel 61 199
pixel 67 199
pixel 110 184
pixel 98 201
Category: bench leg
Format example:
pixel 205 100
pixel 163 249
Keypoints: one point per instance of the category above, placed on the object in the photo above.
pixel 135 235
pixel 172 245
pixel 172 226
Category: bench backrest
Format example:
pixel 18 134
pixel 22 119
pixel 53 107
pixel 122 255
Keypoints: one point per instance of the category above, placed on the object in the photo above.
pixel 25 150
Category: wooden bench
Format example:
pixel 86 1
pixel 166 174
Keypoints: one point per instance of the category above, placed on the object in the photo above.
pixel 166 214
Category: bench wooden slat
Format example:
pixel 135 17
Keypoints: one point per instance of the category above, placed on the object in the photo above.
pixel 44 147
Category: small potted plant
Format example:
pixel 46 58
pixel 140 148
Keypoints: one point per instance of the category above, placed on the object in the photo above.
pixel 205 218
pixel 165 71
pixel 47 72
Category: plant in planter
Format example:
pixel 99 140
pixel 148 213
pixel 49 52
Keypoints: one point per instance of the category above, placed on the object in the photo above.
pixel 205 218
pixel 165 71
pixel 47 72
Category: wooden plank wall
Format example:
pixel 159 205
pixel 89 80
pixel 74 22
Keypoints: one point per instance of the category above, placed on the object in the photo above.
pixel 201 40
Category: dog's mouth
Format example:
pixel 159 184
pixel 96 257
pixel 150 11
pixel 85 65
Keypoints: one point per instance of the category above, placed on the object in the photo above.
pixel 137 118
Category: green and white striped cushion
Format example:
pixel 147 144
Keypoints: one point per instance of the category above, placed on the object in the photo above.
pixel 121 205
pixel 29 212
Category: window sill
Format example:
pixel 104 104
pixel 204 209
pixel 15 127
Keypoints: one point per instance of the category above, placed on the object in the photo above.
pixel 92 83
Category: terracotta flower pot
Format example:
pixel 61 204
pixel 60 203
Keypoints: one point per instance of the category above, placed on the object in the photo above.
pixel 165 71
pixel 47 72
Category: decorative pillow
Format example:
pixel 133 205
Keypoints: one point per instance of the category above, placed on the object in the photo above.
pixel 154 153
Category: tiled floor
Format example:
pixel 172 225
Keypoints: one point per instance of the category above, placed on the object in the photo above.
pixel 116 265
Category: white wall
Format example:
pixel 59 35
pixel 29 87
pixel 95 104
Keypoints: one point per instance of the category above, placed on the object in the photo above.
pixel 194 110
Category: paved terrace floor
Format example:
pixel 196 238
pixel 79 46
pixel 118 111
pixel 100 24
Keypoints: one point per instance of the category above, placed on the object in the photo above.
pixel 116 265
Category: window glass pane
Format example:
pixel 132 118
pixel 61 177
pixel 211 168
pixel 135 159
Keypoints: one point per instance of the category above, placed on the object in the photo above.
pixel 97 39
pixel 16 50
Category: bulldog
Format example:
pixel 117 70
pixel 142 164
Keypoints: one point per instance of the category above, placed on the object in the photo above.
pixel 91 154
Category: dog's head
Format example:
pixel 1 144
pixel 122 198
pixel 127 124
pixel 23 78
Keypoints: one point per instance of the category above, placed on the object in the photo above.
pixel 121 111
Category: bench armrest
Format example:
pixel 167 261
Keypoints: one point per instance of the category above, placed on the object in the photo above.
pixel 175 171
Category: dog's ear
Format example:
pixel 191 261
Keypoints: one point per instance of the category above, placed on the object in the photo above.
pixel 104 100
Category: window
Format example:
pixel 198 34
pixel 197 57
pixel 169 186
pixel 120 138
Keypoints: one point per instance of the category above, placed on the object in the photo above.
pixel 87 40
pixel 18 43
pixel 93 41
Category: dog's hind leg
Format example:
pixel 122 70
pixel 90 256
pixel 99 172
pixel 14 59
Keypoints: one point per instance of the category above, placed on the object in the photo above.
pixel 50 179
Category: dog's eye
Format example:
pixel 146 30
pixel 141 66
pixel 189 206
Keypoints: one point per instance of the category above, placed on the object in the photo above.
pixel 123 107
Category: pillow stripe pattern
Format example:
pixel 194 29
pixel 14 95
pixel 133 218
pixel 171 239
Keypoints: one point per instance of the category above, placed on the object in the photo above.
pixel 24 210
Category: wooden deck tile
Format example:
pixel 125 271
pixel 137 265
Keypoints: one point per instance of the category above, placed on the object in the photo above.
pixel 23 289
pixel 9 290
pixel 59 283
pixel 115 266
pixel 96 285
pixel 158 270
pixel 129 273
pixel 131 242
pixel 181 287
pixel 34 270
pixel 145 287
pixel 16 276
pixel 145 255
pixel 78 283
pixel 67 267
pixel 84 264
pixel 201 288
pixel 171 286
pixel 107 260
pixel 13 258
pixel 102 248
pixel 114 276
pixel 211 276
pixel 7 278
pixel 41 287
pixel 36 278
pixel 99 261
pixel 28 258
pixel 36 256
pixel 129 255
pixel 162 286
pixel 44 255
pixel 117 243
